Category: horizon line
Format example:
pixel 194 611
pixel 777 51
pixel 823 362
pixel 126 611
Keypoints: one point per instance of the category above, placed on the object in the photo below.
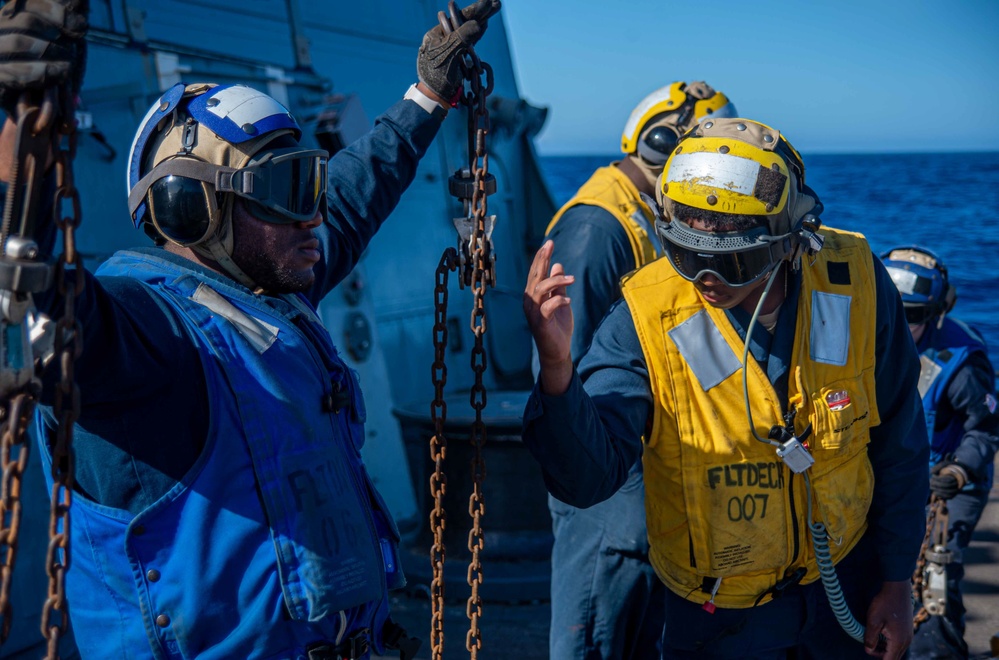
pixel 586 154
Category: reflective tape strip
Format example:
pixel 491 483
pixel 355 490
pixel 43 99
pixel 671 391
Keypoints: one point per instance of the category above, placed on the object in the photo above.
pixel 905 280
pixel 243 105
pixel 659 96
pixel 716 170
pixel 705 351
pixel 928 372
pixel 259 333
pixel 830 333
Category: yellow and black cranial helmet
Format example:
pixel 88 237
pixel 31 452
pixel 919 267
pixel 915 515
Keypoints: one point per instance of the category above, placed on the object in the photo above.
pixel 738 166
pixel 657 122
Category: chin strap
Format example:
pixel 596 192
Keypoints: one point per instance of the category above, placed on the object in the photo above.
pixel 219 249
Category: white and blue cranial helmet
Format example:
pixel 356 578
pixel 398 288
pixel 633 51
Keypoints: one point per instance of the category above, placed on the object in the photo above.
pixel 199 147
pixel 922 282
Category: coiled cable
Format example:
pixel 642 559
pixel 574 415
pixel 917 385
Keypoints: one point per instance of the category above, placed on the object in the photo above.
pixel 827 572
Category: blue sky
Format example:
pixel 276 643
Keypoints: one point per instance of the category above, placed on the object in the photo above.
pixel 842 76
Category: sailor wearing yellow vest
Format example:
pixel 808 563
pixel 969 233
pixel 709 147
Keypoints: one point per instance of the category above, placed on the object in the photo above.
pixel 606 600
pixel 767 370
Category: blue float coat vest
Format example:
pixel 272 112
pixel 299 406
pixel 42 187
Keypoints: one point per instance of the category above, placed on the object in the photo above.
pixel 951 346
pixel 276 538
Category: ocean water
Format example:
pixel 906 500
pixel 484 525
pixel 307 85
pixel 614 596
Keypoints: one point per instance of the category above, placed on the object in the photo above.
pixel 944 202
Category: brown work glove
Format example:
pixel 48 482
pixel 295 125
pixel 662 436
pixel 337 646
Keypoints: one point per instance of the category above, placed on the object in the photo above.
pixel 437 63
pixel 42 44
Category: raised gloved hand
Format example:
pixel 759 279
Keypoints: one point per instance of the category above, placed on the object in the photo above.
pixel 42 43
pixel 948 479
pixel 437 63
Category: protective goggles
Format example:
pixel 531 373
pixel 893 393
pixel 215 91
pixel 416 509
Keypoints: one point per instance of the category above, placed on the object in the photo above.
pixel 920 314
pixel 284 186
pixel 289 183
pixel 736 258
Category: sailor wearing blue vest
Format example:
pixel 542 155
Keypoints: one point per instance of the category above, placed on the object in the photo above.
pixel 221 507
pixel 763 371
pixel 607 602
pixel 957 383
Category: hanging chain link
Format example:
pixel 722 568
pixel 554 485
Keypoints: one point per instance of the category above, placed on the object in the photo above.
pixel 476 261
pixel 68 346
pixel 937 524
pixel 438 452
pixel 41 132
pixel 16 414
pixel 483 274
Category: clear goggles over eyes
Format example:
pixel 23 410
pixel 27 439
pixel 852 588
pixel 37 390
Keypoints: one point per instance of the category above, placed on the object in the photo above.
pixel 736 258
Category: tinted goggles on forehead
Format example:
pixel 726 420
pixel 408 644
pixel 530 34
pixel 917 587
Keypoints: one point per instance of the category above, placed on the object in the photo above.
pixel 736 258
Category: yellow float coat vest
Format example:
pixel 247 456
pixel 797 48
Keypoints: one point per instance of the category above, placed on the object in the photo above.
pixel 614 192
pixel 719 503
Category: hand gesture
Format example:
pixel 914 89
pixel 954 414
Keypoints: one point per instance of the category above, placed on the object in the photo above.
pixel 549 317
pixel 42 44
pixel 437 63
pixel 889 616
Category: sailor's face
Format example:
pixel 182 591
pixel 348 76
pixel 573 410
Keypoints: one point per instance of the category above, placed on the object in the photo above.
pixel 278 257
pixel 718 294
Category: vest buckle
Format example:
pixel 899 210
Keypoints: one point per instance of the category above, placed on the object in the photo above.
pixel 353 648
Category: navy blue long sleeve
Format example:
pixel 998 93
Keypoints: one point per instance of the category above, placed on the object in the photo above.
pixel 970 396
pixel 586 438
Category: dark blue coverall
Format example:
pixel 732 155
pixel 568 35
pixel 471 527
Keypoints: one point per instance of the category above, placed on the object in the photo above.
pixel 587 439
pixel 607 601
pixel 961 406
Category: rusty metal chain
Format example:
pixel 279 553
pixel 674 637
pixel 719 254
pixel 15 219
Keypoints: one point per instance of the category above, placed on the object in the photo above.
pixel 34 126
pixel 41 131
pixel 483 274
pixel 68 346
pixel 476 261
pixel 438 452
pixel 16 414
pixel 937 524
